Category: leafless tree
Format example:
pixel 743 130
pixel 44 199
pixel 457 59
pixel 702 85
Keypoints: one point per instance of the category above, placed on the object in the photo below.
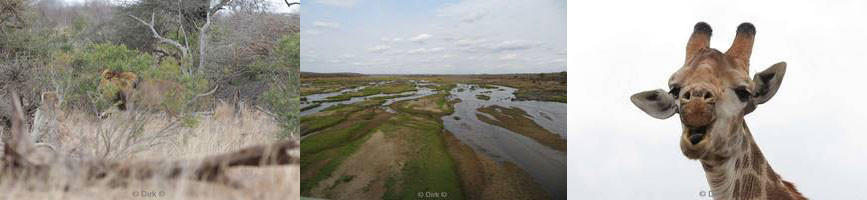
pixel 185 48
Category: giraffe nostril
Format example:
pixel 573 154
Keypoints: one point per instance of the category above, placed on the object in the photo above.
pixel 687 95
pixel 708 95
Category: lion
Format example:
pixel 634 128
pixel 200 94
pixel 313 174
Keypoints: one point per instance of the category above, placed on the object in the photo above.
pixel 125 89
pixel 118 87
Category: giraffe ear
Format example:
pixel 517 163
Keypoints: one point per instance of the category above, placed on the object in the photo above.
pixel 768 82
pixel 656 103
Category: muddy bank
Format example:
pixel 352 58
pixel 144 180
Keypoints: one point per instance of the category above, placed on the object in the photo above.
pixel 483 178
pixel 518 121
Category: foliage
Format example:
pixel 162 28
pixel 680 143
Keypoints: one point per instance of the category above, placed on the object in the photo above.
pixel 282 98
pixel 64 47
pixel 81 68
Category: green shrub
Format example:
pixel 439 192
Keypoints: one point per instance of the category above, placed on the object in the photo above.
pixel 81 68
pixel 282 98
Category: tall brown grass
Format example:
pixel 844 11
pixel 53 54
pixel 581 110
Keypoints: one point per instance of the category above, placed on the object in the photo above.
pixel 148 136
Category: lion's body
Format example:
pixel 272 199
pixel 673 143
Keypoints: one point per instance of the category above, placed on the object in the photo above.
pixel 157 95
pixel 127 91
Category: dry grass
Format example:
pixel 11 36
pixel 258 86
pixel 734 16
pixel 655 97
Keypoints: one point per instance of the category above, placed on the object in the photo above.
pixel 151 136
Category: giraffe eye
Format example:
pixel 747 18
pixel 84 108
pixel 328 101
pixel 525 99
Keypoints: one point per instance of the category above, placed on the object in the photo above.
pixel 675 91
pixel 743 94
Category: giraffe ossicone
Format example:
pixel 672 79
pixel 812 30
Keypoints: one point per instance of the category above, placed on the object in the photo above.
pixel 711 93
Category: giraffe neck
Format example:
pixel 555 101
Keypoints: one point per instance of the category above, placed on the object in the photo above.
pixel 746 174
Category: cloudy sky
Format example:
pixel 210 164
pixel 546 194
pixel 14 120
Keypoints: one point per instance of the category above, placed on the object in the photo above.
pixel 433 36
pixel 813 132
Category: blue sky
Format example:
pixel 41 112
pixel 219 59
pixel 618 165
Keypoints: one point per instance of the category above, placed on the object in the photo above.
pixel 442 37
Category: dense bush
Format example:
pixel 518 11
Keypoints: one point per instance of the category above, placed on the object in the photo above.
pixel 80 69
pixel 282 97
pixel 251 53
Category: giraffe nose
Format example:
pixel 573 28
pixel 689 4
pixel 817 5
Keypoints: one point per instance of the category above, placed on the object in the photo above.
pixel 699 93
pixel 697 108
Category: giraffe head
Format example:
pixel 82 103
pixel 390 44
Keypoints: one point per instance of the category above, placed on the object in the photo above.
pixel 712 92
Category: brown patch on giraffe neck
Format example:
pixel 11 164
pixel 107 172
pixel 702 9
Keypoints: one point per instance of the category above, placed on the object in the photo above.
pixel 747 187
pixel 758 159
pixel 751 177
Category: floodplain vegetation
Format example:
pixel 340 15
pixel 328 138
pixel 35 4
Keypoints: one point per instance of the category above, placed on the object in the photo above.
pixel 365 150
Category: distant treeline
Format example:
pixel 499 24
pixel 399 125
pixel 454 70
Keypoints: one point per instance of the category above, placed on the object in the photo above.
pixel 340 74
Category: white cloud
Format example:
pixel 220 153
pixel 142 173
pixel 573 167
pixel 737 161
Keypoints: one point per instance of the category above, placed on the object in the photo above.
pixel 552 61
pixel 310 31
pixel 470 42
pixel 421 37
pixel 386 39
pixel 473 17
pixel 327 25
pixel 510 56
pixel 510 45
pixel 378 48
pixel 425 50
pixel 484 45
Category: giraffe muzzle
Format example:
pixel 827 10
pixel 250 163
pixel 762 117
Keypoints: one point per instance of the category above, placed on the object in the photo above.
pixel 697 113
pixel 697 116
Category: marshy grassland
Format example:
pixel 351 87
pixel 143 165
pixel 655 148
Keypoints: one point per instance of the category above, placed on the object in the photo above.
pixel 396 146
pixel 386 88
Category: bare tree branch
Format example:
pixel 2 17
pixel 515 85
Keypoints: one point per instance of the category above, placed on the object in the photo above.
pixel 184 50
pixel 219 6
pixel 290 4
pixel 183 31
pixel 203 42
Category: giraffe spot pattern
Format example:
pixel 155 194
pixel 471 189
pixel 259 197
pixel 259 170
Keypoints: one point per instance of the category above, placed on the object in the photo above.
pixel 750 187
pixel 758 158
pixel 775 192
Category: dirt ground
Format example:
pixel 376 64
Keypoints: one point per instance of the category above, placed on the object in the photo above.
pixel 483 178
pixel 369 167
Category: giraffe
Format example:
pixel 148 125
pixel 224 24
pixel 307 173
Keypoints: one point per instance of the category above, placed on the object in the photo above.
pixel 713 92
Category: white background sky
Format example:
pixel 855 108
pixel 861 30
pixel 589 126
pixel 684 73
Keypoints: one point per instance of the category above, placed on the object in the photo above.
pixel 813 132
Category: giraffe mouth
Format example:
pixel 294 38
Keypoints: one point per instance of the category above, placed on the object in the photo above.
pixel 697 134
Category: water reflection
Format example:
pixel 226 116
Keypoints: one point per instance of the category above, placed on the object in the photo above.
pixel 547 166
